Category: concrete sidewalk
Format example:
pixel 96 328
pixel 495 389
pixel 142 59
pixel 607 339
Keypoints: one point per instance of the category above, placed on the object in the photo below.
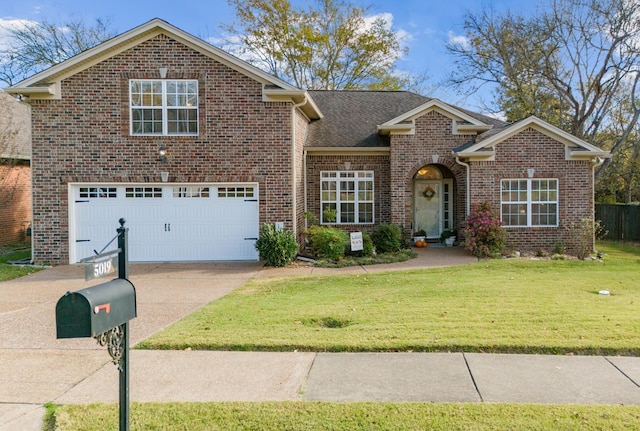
pixel 82 377
pixel 36 368
pixel 347 377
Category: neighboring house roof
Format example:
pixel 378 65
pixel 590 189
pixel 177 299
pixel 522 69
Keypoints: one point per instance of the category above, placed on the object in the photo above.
pixel 46 84
pixel 351 118
pixel 15 129
pixel 484 147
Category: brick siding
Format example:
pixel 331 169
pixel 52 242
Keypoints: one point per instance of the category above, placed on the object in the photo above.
pixel 527 149
pixel 379 164
pixel 409 153
pixel 15 201
pixel 84 137
pixel 533 149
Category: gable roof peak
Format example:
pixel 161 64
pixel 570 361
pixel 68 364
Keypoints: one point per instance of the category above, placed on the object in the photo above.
pixel 46 84
pixel 575 148
pixel 464 122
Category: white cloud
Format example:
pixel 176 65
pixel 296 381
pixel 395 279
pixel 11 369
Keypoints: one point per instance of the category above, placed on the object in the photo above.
pixel 459 40
pixel 404 37
pixel 8 24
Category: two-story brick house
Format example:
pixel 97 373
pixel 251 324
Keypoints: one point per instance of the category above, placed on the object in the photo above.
pixel 196 149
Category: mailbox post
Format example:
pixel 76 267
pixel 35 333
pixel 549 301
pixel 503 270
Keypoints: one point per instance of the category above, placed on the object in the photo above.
pixel 103 312
pixel 123 273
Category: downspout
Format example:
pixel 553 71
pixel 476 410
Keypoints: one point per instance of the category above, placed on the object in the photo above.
pixel 468 206
pixel 304 185
pixel 25 101
pixel 293 165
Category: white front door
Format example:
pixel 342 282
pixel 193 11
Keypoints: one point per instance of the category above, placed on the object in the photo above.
pixel 427 206
pixel 181 222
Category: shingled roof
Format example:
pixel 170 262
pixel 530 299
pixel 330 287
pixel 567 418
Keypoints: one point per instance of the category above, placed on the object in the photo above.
pixel 351 117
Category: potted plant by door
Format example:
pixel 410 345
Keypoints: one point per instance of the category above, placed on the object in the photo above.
pixel 448 238
pixel 419 236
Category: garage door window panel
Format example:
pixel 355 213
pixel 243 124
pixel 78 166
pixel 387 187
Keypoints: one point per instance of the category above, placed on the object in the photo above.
pixel 98 192
pixel 236 192
pixel 191 192
pixel 143 192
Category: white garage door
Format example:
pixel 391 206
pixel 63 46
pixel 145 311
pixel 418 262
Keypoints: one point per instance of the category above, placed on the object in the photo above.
pixel 167 222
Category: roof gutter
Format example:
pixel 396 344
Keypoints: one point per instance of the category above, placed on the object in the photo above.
pixel 299 98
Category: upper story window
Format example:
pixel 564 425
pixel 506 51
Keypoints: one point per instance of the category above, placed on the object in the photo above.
pixel 164 107
pixel 530 202
pixel 346 197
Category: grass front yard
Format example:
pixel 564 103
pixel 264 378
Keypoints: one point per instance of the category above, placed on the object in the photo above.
pixel 503 305
pixel 308 416
pixel 15 252
pixel 509 305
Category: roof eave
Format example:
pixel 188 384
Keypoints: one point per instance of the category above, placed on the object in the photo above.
pixel 487 155
pixel 397 129
pixel 581 154
pixel 37 92
pixel 465 129
pixel 14 157
pixel 298 97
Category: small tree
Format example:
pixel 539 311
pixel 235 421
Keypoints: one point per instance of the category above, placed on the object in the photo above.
pixel 583 234
pixel 34 46
pixel 483 233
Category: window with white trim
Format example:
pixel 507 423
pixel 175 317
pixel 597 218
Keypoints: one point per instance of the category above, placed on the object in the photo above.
pixel 529 202
pixel 348 195
pixel 163 106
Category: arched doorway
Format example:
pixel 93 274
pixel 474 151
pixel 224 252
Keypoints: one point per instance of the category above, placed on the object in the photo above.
pixel 432 201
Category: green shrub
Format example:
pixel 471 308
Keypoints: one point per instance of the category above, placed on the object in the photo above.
pixel 367 247
pixel 328 242
pixel 483 232
pixel 276 247
pixel 387 238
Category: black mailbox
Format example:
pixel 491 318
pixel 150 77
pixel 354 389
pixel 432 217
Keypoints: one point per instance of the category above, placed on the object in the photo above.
pixel 90 312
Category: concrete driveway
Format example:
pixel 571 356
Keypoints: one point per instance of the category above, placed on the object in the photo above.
pixel 36 368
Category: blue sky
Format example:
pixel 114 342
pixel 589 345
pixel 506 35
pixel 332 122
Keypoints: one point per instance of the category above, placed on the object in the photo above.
pixel 425 24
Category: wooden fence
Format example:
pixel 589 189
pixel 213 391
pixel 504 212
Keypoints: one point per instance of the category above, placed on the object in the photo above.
pixel 621 221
